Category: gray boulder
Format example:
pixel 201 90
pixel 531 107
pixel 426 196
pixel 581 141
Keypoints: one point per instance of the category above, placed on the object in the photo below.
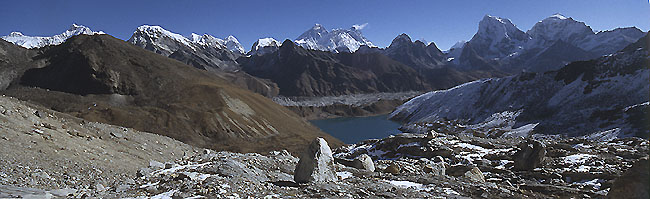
pixel 530 155
pixel 364 162
pixel 316 164
pixel 475 175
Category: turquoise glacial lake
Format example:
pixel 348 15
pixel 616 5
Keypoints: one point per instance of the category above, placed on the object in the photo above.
pixel 354 129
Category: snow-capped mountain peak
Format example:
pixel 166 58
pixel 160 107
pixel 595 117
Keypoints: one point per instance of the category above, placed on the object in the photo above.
pixel 38 41
pixel 16 34
pixel 156 34
pixel 233 45
pixel 500 28
pixel 498 37
pixel 318 27
pixel 336 40
pixel 264 45
pixel 557 16
pixel 558 27
pixel 157 31
pixel 208 41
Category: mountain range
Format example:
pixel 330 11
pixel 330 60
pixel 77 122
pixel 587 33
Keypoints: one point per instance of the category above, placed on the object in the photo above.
pixel 548 45
pixel 37 42
pixel 103 79
pixel 607 95
pixel 497 49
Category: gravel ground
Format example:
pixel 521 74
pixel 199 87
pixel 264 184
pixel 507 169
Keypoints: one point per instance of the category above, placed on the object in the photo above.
pixel 44 149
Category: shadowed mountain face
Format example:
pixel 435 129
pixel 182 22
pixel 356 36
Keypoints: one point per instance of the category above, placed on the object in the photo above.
pixel 415 54
pixel 101 78
pixel 301 72
pixel 14 60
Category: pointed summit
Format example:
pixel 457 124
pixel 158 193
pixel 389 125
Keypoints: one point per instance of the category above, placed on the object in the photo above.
pixel 558 16
pixel 415 54
pixel 233 45
pixel 497 37
pixel 318 26
pixel 75 26
pixel 401 40
pixel 403 36
pixel 16 34
pixel 264 46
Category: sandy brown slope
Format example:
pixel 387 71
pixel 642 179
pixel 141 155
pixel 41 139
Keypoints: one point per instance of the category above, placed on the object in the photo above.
pixel 104 79
pixel 41 148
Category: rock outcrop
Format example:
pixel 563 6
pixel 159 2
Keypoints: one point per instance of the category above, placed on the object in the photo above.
pixel 530 155
pixel 316 164
pixel 634 183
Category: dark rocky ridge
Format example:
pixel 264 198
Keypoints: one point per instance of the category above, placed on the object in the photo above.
pixel 14 60
pixel 118 83
pixel 301 72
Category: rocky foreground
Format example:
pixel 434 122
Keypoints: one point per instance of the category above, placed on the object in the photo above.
pixel 448 161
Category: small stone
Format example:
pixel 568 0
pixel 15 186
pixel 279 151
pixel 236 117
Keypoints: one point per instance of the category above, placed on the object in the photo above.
pixel 431 134
pixel 206 151
pixel 438 159
pixel 392 169
pixel 117 135
pixel 152 189
pixel 316 164
pixel 144 172
pixel 122 188
pixel 156 165
pixel 364 162
pixel 129 181
pixel 169 165
pixel 435 168
pixel 475 175
pixel 38 114
pixel 41 174
pixel 100 187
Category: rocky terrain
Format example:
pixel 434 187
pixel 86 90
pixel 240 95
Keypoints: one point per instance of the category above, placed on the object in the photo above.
pixel 48 150
pixel 86 115
pixel 448 161
pixel 102 79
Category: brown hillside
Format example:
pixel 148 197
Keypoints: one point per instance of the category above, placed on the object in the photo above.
pixel 104 79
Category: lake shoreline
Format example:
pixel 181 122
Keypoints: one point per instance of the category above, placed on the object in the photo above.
pixel 352 130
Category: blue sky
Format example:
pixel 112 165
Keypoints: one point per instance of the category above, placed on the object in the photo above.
pixel 443 22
